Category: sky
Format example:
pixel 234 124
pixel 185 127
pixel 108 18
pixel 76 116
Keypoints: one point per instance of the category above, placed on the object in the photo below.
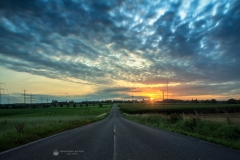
pixel 98 49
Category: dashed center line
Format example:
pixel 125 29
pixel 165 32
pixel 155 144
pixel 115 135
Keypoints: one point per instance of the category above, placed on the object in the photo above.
pixel 115 144
pixel 114 129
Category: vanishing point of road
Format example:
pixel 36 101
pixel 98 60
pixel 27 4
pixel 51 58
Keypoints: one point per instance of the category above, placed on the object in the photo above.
pixel 117 138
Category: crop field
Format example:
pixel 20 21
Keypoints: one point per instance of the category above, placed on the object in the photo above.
pixel 20 126
pixel 217 123
pixel 191 108
pixel 234 118
pixel 52 111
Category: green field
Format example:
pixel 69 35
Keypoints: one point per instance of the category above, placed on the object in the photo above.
pixel 191 108
pixel 190 119
pixel 20 126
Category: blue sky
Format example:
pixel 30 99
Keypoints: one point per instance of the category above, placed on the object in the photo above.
pixel 86 49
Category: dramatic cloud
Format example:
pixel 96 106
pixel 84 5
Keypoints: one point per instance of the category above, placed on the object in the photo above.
pixel 192 43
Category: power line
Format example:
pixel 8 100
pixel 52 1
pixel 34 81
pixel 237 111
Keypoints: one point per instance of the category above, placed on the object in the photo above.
pixel 42 98
pixel 1 94
pixel 163 94
pixel 163 98
pixel 31 98
pixel 24 95
pixel 167 89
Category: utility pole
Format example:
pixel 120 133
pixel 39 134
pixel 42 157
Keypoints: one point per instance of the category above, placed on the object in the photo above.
pixel 163 98
pixel 1 94
pixel 41 99
pixel 8 99
pixel 167 89
pixel 24 96
pixel 132 97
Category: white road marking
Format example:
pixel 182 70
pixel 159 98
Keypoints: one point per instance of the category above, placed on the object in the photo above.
pixel 16 148
pixel 10 150
pixel 115 144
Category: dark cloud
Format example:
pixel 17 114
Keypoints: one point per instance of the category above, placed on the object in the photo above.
pixel 200 88
pixel 104 41
pixel 110 93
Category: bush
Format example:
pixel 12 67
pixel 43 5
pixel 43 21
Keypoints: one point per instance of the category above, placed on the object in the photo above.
pixel 4 123
pixel 191 123
pixel 229 120
pixel 173 118
pixel 20 127
pixel 227 134
pixel 231 101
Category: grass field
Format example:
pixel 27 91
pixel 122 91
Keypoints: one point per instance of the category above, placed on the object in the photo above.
pixel 139 108
pixel 20 126
pixel 217 123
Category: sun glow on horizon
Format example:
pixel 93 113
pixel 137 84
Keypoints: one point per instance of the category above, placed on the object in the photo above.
pixel 16 82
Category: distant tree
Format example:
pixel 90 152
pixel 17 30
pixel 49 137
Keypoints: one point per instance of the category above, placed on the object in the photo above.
pixel 195 101
pixel 238 101
pixel 61 105
pixel 71 102
pixel 100 105
pixel 207 101
pixel 86 104
pixel 74 105
pixel 213 101
pixel 232 101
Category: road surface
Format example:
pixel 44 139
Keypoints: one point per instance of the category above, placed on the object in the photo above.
pixel 118 138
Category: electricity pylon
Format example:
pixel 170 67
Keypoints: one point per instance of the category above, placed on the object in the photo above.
pixel 1 94
pixel 31 98
pixel 24 96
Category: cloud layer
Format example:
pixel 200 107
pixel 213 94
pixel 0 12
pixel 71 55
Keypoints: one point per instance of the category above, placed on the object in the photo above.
pixel 146 42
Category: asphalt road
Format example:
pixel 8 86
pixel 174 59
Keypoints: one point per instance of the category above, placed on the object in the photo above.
pixel 117 138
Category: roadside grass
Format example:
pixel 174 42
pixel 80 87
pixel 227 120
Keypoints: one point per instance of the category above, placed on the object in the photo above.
pixel 21 126
pixel 224 133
